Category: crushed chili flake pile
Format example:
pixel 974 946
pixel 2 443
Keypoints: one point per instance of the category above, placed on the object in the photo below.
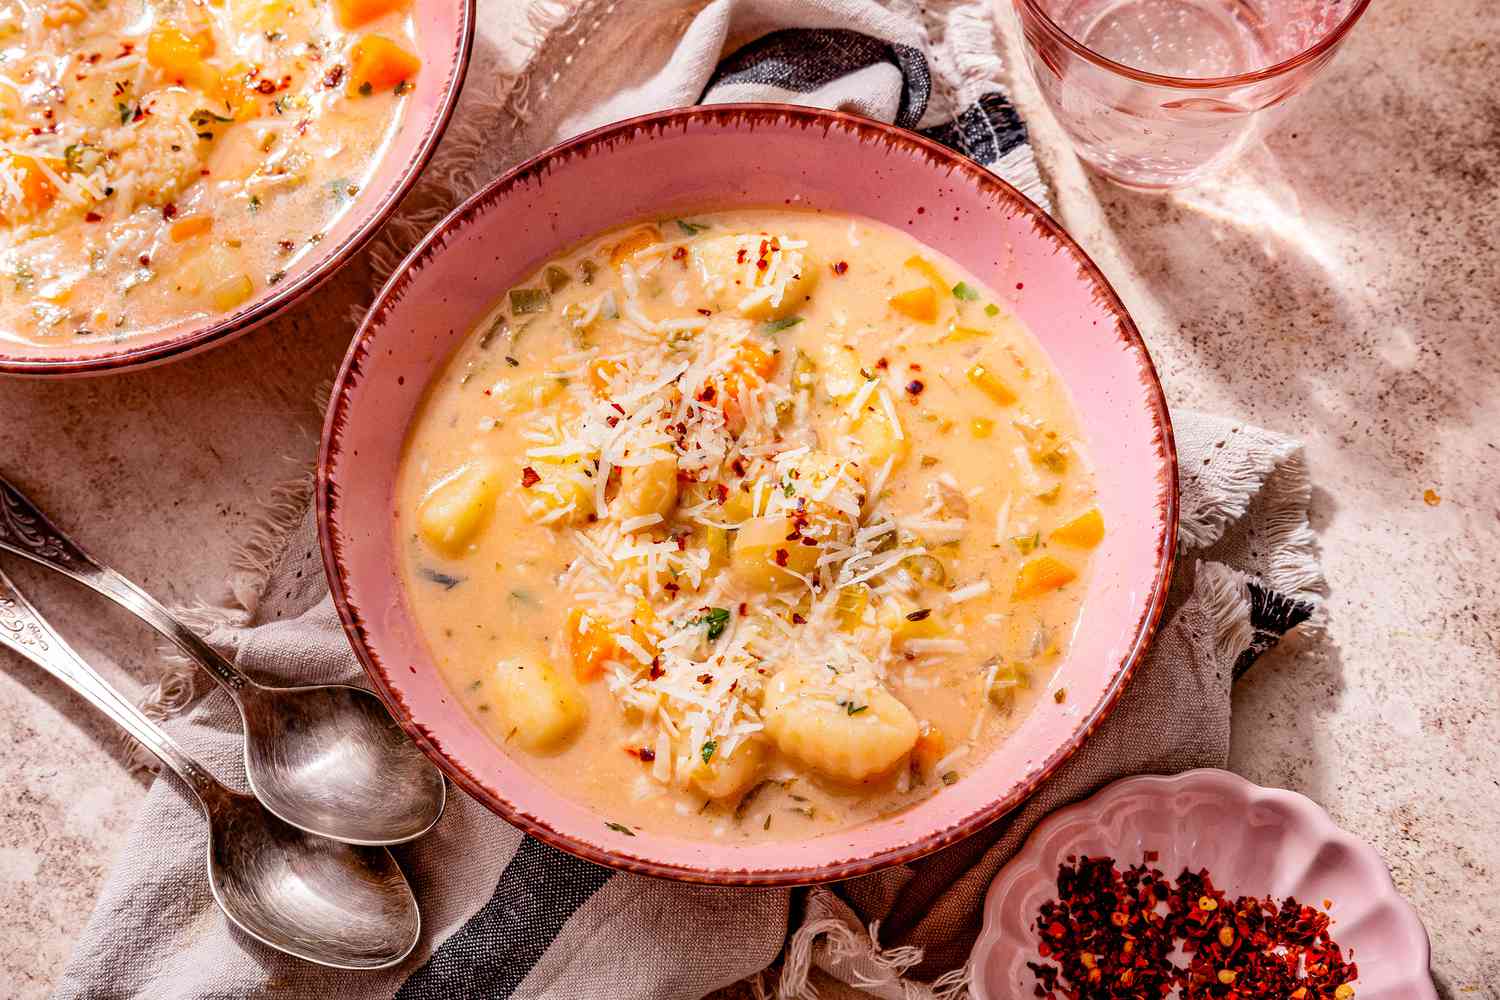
pixel 1112 934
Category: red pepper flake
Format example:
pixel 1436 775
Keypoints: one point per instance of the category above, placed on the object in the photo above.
pixel 721 493
pixel 266 87
pixel 744 607
pixel 333 76
pixel 145 260
pixel 646 754
pixel 705 678
pixel 169 211
pixel 529 478
pixel 921 614
pixel 1105 938
pixel 705 312
pixel 798 619
pixel 840 267
pixel 680 254
pixel 781 557
pixel 915 387
pixel 707 395
pixel 656 671
pixel 93 217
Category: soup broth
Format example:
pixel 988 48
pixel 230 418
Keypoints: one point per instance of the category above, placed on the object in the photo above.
pixel 749 525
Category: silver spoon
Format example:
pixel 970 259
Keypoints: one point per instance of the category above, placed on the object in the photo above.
pixel 335 904
pixel 327 759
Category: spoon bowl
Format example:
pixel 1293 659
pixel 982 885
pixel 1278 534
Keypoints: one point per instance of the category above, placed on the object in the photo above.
pixel 335 904
pixel 330 760
pixel 326 759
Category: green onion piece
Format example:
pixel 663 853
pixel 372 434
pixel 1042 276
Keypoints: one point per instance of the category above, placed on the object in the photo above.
pixel 690 228
pixel 992 310
pixel 926 569
pixel 777 325
pixel 1027 544
pixel 964 292
pixel 619 828
pixel 708 750
pixel 527 300
pixel 717 620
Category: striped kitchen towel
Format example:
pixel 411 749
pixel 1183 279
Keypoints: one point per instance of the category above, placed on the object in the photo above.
pixel 506 916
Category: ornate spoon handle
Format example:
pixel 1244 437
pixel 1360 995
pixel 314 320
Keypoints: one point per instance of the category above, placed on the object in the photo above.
pixel 26 531
pixel 23 629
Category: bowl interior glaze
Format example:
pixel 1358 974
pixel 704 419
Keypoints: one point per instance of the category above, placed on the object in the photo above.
pixel 696 159
pixel 444 37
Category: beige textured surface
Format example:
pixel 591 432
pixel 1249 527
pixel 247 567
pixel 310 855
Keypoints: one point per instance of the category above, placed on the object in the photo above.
pixel 1343 284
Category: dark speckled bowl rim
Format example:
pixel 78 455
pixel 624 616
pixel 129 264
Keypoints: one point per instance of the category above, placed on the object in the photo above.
pixel 762 116
pixel 148 352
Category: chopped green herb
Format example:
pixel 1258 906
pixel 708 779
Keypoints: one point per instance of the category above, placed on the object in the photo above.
pixel 619 828
pixel 743 805
pixel 853 709
pixel 586 271
pixel 767 824
pixel 992 310
pixel 949 777
pixel 440 578
pixel 338 189
pixel 717 620
pixel 1055 461
pixel 709 748
pixel 1027 544
pixel 690 228
pixel 202 117
pixel 254 204
pixel 964 292
pixel 127 111
pixel 777 325
pixel 82 158
pixel 527 300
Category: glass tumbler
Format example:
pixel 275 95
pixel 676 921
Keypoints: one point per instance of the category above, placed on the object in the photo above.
pixel 1156 93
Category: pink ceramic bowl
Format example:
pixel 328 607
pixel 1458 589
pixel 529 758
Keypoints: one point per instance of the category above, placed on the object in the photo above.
pixel 1254 841
pixel 697 159
pixel 444 36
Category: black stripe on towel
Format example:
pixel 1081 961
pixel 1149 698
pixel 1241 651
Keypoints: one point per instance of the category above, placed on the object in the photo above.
pixel 803 59
pixel 488 956
pixel 1272 615
pixel 984 131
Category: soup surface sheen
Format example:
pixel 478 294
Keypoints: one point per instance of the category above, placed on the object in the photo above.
pixel 750 525
pixel 165 160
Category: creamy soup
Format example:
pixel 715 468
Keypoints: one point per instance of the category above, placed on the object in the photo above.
pixel 748 525
pixel 162 160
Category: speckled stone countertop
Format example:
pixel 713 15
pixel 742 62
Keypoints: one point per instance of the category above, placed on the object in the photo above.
pixel 1341 284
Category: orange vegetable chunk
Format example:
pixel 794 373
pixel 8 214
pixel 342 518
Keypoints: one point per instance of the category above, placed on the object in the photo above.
pixel 181 58
pixel 189 226
pixel 1085 531
pixel 601 372
pixel 590 645
pixel 376 63
pixel 37 190
pixel 920 304
pixel 1042 575
pixel 633 244
pixel 991 385
pixel 934 278
pixel 357 13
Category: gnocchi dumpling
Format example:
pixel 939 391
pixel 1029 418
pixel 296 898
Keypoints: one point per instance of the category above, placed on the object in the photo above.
pixel 846 737
pixel 771 552
pixel 761 277
pixel 539 704
pixel 457 508
pixel 726 775
pixel 557 492
pixel 647 489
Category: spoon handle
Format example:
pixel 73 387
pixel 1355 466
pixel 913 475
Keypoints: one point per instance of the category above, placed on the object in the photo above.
pixel 23 629
pixel 26 531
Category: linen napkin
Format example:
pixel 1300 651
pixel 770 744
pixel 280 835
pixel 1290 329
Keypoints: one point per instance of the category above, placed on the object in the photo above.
pixel 506 916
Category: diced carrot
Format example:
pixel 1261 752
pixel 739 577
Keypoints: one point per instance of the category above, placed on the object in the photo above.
pixel 180 58
pixel 982 427
pixel 355 13
pixel 590 645
pixel 63 13
pixel 920 304
pixel 37 190
pixel 1041 575
pixel 1085 531
pixel 601 372
pixel 189 226
pixel 633 244
pixel 376 63
pixel 991 384
pixel 934 277
pixel 751 364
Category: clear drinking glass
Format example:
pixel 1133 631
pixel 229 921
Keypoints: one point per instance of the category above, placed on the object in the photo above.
pixel 1155 93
